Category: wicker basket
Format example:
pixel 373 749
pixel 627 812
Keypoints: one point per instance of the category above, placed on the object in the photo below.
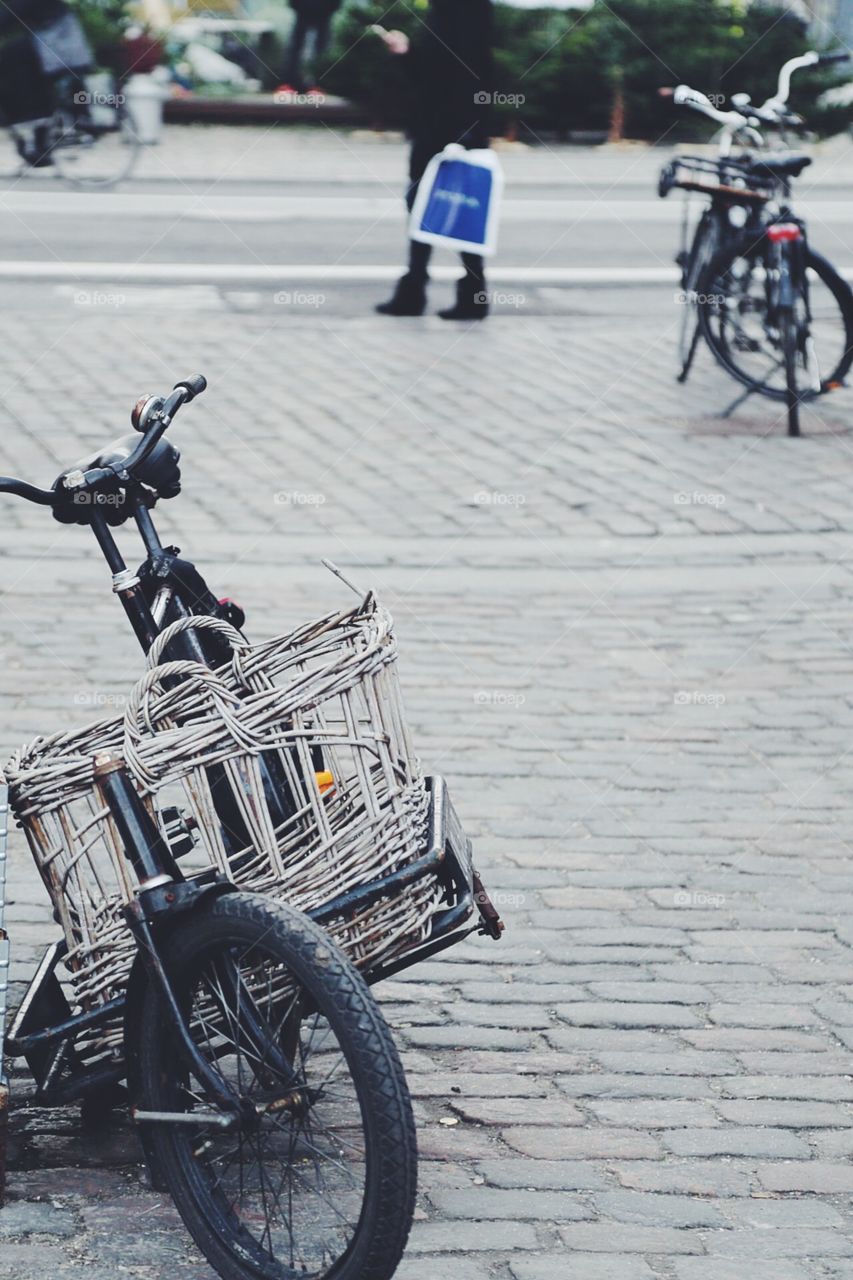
pixel 319 706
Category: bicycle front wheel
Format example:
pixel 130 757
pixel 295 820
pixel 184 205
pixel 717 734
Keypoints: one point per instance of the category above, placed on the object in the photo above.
pixel 93 156
pixel 317 1178
pixel 742 325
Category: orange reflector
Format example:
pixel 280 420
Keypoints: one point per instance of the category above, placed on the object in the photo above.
pixel 784 231
pixel 325 780
pixel 834 386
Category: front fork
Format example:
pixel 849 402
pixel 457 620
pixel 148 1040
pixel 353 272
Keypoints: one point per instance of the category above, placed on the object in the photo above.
pixel 163 895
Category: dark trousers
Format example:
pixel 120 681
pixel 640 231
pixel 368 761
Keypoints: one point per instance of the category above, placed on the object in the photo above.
pixel 25 92
pixel 302 28
pixel 419 254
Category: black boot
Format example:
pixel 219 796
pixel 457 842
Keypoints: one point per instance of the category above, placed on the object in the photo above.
pixel 408 299
pixel 472 301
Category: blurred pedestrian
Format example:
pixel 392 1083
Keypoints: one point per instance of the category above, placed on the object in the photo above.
pixel 449 73
pixel 313 21
pixel 40 41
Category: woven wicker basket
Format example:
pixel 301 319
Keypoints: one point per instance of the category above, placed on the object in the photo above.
pixel 320 705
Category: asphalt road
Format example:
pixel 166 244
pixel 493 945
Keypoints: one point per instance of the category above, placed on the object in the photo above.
pixel 330 211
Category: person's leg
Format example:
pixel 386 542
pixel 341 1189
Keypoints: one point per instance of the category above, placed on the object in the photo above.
pixel 472 300
pixel 298 36
pixel 322 33
pixel 25 92
pixel 409 297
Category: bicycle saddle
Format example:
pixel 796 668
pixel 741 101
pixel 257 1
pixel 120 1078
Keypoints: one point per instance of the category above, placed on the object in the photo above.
pixel 788 164
pixel 159 474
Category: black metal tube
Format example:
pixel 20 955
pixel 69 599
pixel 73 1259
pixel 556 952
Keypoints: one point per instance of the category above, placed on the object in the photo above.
pixel 106 541
pixel 147 851
pixel 69 1027
pixel 366 894
pixel 145 524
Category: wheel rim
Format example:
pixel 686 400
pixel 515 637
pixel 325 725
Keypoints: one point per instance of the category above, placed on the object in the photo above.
pixel 748 338
pixel 93 156
pixel 287 1184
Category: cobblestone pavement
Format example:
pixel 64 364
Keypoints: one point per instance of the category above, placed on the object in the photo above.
pixel 626 633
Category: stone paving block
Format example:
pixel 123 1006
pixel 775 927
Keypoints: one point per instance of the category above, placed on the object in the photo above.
pixel 488 1204
pixel 517 1111
pixel 779 1242
pixel 713 1178
pixel 604 1085
pixel 752 1014
pixel 784 1114
pixel 780 1143
pixel 652 992
pixel 746 1039
pixel 653 1113
pixel 427 1268
pixel 720 1269
pixel 784 1212
pixel 609 1237
pixel 652 1210
pixel 592 1014
pixel 463 1237
pixel 580 1266
pixel 801 1088
pixel 584 1144
pixel 545 1175
pixel 819 1176
pixel 678 1061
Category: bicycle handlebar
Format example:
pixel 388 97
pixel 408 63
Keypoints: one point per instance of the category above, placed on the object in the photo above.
pixel 774 110
pixel 684 96
pixel 161 416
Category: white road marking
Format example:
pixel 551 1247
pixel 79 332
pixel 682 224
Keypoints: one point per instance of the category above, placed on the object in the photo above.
pixel 155 273
pixel 225 273
pixel 265 209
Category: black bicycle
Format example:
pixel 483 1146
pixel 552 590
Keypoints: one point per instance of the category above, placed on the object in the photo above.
pixel 775 314
pixel 264 1081
pixel 89 140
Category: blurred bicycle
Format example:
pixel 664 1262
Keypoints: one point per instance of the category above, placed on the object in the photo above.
pixel 57 116
pixel 776 315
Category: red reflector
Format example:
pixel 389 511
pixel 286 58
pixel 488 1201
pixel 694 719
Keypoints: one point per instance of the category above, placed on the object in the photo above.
pixel 784 231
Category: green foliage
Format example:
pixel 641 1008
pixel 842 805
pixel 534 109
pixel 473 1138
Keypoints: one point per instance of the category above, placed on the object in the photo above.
pixel 104 22
pixel 569 65
pixel 359 65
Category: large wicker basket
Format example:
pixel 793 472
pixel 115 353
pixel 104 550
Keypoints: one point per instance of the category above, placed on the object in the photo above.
pixel 320 707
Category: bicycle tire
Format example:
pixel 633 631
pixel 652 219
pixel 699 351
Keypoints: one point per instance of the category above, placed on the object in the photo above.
pixel 94 161
pixel 790 349
pixel 712 290
pixel 333 988
pixel 704 248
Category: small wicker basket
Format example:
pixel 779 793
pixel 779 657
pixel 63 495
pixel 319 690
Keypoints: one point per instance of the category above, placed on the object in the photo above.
pixel 318 710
